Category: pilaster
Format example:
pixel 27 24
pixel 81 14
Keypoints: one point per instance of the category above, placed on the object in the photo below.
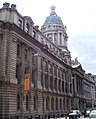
pixel 39 86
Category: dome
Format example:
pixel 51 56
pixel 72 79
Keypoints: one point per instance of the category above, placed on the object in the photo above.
pixel 53 18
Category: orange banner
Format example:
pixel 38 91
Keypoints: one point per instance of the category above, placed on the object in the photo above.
pixel 27 82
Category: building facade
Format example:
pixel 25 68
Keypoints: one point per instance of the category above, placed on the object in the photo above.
pixel 89 91
pixel 37 77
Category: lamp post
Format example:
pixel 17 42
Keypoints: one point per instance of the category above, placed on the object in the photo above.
pixel 22 112
pixel 24 85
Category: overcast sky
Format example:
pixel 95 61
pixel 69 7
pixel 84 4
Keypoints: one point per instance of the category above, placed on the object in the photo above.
pixel 80 18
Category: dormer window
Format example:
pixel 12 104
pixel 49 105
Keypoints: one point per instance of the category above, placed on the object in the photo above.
pixel 20 23
pixel 27 28
pixel 34 34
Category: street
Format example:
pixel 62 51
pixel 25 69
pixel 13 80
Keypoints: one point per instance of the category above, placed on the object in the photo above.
pixel 78 118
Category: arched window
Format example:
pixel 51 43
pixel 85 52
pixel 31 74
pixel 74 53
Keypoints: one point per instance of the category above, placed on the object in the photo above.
pixel 56 103
pixel 64 103
pixel 52 103
pixel 46 81
pixel 61 104
pixel 55 84
pixel 27 101
pixel 18 101
pixel 51 82
pixel 35 102
pixel 67 103
pixel 47 103
pixel 43 103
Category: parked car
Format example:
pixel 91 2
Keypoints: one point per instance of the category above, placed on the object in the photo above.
pixel 92 114
pixel 74 114
pixel 86 113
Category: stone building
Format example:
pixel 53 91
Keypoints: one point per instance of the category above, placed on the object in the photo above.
pixel 25 50
pixel 77 76
pixel 55 84
pixel 89 91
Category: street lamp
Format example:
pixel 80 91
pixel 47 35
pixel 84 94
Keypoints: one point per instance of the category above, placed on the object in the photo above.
pixel 25 85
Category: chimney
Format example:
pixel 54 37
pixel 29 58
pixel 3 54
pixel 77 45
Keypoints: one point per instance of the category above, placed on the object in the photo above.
pixel 13 7
pixel 6 5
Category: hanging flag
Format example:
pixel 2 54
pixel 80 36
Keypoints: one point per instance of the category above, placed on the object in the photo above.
pixel 26 82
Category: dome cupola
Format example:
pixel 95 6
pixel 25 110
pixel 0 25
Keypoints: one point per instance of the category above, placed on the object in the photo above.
pixel 54 29
pixel 53 18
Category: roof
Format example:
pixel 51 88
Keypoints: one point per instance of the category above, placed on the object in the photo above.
pixel 53 18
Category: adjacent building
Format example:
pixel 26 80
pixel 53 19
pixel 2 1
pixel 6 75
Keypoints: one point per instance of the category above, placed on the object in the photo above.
pixel 38 79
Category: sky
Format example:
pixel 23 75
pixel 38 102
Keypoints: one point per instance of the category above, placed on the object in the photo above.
pixel 80 18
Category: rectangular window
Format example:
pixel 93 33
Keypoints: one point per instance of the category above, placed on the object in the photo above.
pixel 55 70
pixel 42 83
pixel 51 82
pixel 46 66
pixel 51 69
pixel 59 73
pixel 55 84
pixel 63 86
pixel 33 76
pixel 70 88
pixel 59 85
pixel 46 81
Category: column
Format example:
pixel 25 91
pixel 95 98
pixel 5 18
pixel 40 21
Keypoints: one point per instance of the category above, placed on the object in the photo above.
pixel 4 52
pixel 38 73
pixel 62 39
pixel 53 37
pixel 40 102
pixel 75 84
pixel 12 57
pixel 58 38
